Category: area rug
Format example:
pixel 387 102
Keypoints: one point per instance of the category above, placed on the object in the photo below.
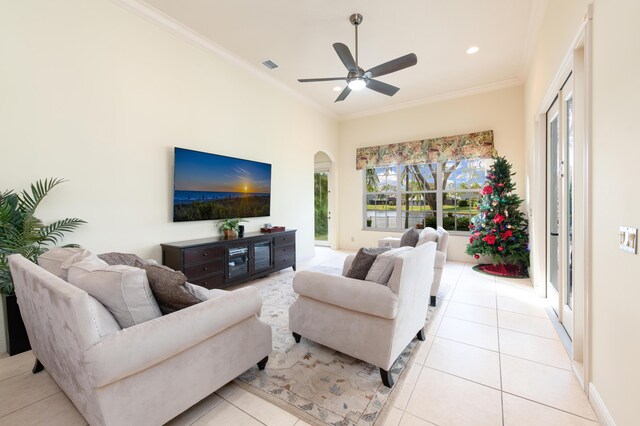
pixel 313 382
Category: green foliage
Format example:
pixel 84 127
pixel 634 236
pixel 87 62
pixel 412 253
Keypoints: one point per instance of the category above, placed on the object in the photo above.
pixel 251 206
pixel 321 205
pixel 23 233
pixel 500 229
pixel 230 224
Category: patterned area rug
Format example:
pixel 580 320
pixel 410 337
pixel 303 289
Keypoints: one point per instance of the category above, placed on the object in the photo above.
pixel 312 381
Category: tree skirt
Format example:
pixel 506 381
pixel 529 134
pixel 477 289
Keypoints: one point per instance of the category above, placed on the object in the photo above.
pixel 314 382
pixel 510 271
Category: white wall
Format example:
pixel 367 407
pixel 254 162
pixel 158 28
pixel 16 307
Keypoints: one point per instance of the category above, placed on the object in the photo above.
pixel 500 111
pixel 615 325
pixel 97 95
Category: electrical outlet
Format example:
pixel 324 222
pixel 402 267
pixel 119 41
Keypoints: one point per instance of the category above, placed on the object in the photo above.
pixel 629 239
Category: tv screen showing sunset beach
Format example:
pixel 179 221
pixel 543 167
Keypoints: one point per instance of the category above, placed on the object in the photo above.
pixel 210 186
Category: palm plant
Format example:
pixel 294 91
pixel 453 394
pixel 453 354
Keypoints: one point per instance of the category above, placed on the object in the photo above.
pixel 23 233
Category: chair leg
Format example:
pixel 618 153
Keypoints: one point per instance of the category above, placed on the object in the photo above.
pixel 296 336
pixel 420 335
pixel 263 363
pixel 387 380
pixel 37 367
pixel 433 301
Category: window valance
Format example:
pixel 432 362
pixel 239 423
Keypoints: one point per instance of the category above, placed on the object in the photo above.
pixel 454 148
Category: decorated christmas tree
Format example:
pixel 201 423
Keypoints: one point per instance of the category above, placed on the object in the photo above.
pixel 499 231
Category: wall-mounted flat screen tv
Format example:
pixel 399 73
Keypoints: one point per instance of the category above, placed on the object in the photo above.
pixel 210 186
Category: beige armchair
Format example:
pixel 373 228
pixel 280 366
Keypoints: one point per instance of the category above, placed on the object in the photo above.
pixel 441 237
pixel 369 321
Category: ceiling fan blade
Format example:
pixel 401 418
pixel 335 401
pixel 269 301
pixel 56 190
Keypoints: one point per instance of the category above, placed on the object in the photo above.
pixel 384 88
pixel 343 95
pixel 345 56
pixel 394 65
pixel 310 80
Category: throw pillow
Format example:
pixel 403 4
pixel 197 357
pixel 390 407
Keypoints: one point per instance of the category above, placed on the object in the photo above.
pixel 363 261
pixel 382 267
pixel 168 287
pixel 123 290
pixel 427 235
pixel 409 238
pixel 114 258
pixel 58 259
pixel 199 292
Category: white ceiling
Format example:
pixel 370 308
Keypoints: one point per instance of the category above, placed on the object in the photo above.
pixel 298 36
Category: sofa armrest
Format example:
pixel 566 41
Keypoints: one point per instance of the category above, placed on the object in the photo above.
pixel 393 242
pixel 357 295
pixel 131 350
pixel 441 259
pixel 347 264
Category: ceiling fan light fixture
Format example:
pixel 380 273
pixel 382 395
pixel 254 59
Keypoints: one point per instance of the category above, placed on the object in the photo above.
pixel 357 83
pixel 472 50
pixel 337 89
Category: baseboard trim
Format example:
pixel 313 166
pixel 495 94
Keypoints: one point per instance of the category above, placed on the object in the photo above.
pixel 598 406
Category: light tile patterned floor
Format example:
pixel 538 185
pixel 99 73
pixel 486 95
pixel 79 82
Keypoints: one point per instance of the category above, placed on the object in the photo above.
pixel 491 356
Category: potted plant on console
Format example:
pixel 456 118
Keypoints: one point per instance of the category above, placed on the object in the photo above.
pixel 23 233
pixel 230 226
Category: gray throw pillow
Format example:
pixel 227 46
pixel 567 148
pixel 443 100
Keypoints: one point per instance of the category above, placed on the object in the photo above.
pixel 363 261
pixel 128 259
pixel 168 288
pixel 410 238
pixel 381 270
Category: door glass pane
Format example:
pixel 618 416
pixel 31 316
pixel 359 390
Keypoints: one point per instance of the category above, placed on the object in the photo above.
pixel 262 255
pixel 569 109
pixel 554 203
pixel 321 205
pixel 238 261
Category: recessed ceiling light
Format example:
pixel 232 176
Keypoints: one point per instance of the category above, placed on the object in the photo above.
pixel 337 89
pixel 472 50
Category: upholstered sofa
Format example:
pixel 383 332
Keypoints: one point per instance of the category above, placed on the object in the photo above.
pixel 441 237
pixel 145 374
pixel 366 320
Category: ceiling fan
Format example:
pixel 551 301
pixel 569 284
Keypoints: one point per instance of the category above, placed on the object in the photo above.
pixel 357 78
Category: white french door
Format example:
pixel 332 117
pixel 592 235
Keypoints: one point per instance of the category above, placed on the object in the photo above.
pixel 560 204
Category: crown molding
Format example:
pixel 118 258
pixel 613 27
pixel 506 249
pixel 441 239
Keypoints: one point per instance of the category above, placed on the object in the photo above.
pixel 538 11
pixel 504 84
pixel 164 21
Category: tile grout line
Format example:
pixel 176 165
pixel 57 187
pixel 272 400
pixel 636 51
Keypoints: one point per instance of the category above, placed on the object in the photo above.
pixel 550 406
pixel 427 354
pixel 35 402
pixel 500 360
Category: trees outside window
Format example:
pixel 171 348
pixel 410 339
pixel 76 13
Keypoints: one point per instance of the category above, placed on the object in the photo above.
pixel 435 194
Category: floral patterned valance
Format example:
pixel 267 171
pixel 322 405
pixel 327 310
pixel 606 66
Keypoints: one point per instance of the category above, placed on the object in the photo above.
pixel 459 147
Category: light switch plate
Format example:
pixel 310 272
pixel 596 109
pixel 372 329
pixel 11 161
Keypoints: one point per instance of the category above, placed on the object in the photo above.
pixel 629 239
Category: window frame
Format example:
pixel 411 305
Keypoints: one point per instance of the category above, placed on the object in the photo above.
pixel 440 192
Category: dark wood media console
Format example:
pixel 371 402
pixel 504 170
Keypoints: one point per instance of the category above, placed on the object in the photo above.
pixel 220 262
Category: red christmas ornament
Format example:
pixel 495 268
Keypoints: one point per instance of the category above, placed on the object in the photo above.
pixel 487 190
pixel 498 218
pixel 507 234
pixel 477 256
pixel 500 248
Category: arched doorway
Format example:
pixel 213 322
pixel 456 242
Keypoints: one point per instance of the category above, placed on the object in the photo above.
pixel 322 200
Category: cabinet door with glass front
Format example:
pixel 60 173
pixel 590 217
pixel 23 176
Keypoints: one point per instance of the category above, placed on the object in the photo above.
pixel 238 261
pixel 262 255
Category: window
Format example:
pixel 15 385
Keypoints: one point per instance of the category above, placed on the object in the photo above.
pixel 436 194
